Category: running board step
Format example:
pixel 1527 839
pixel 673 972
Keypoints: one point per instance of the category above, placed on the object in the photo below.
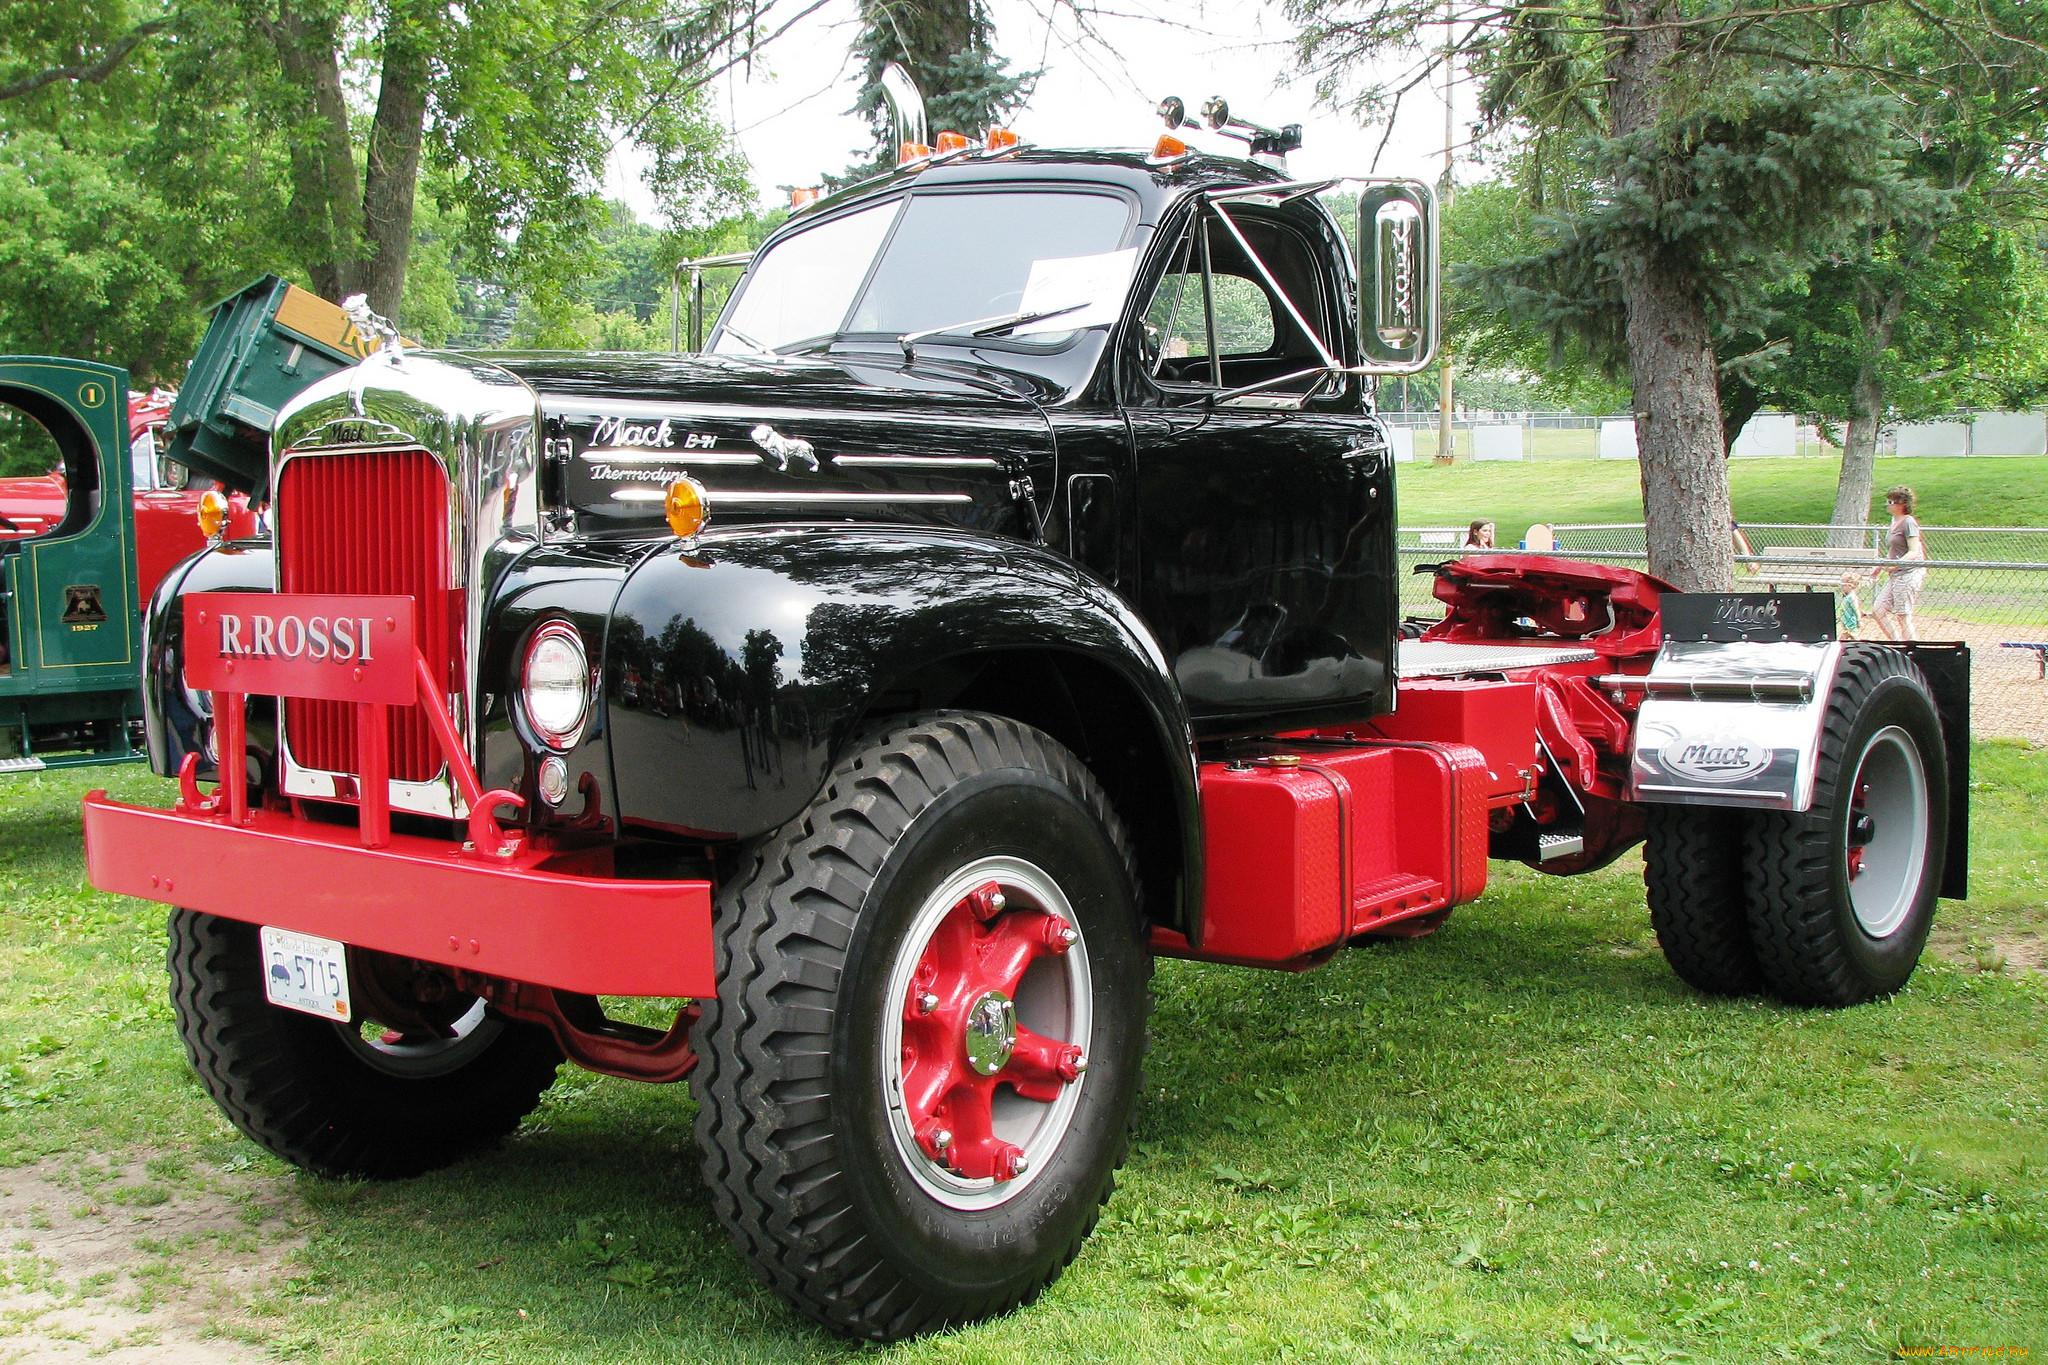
pixel 27 764
pixel 1552 844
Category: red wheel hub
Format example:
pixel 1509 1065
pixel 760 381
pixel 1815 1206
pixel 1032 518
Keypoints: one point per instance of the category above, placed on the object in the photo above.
pixel 1861 830
pixel 961 1038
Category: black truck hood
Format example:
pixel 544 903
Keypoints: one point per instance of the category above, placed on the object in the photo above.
pixel 886 443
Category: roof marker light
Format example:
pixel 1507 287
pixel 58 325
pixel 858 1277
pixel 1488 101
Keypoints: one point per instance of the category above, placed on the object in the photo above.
pixel 798 196
pixel 1168 148
pixel 912 151
pixel 1001 139
pixel 950 142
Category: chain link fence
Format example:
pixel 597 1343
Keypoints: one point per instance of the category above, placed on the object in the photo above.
pixel 1985 586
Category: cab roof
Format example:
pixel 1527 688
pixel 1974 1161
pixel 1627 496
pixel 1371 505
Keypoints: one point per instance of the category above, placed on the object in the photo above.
pixel 1157 185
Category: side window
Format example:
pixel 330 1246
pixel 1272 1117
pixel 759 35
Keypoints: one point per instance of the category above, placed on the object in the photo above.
pixel 1244 316
pixel 55 467
pixel 142 458
pixel 1254 336
pixel 28 452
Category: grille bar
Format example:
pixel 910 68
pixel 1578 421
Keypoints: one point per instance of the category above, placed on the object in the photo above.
pixel 368 522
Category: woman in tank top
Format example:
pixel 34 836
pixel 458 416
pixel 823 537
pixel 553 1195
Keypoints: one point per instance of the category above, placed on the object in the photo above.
pixel 1899 592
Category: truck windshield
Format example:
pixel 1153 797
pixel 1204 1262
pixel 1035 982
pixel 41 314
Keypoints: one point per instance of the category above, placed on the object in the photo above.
pixel 953 257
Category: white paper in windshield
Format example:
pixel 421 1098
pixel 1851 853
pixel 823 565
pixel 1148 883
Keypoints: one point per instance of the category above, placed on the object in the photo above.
pixel 1097 283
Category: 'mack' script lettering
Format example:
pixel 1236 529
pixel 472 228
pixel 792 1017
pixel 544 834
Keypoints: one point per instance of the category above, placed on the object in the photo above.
pixel 1730 611
pixel 617 431
pixel 345 639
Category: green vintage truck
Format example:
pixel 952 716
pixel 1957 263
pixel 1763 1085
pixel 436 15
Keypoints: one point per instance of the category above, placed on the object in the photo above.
pixel 115 502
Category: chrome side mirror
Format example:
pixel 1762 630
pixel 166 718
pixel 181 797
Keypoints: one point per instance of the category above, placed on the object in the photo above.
pixel 1399 297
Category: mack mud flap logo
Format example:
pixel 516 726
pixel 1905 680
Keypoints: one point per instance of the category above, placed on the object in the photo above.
pixel 1747 615
pixel 1715 758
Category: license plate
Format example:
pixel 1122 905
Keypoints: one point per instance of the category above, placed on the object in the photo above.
pixel 301 972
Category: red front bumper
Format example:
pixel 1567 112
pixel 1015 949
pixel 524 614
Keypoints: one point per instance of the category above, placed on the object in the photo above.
pixel 420 898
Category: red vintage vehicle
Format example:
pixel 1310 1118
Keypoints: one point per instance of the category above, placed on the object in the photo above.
pixel 166 498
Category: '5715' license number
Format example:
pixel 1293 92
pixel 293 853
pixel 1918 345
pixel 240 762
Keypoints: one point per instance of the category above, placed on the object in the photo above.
pixel 301 972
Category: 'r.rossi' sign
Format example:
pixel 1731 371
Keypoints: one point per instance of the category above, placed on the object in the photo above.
pixel 330 648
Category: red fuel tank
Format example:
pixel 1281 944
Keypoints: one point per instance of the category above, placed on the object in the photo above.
pixel 1311 846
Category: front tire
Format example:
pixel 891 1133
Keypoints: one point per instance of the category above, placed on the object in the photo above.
pixel 348 1101
pixel 919 1077
pixel 1841 896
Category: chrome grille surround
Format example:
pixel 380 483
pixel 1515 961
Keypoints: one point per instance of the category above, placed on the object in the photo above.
pixel 483 426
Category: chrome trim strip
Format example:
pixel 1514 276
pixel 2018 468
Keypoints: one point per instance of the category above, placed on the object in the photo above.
pixel 716 497
pixel 1748 793
pixel 918 461
pixel 1796 687
pixel 638 455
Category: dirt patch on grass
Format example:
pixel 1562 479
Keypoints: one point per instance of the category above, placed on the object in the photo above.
pixel 2019 950
pixel 140 1263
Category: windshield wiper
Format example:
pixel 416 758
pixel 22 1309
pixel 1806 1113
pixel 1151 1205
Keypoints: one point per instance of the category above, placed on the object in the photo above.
pixel 731 331
pixel 808 345
pixel 983 327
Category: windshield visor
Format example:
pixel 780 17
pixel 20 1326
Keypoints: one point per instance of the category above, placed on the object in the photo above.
pixel 954 258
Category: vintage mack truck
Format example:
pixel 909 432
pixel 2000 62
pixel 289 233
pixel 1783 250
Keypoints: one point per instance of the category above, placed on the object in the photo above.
pixel 1007 597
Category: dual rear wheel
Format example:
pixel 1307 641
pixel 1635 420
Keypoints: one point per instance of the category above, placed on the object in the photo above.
pixel 1829 906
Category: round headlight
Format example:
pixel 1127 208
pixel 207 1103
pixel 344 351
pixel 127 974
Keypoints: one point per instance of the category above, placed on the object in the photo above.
pixel 554 685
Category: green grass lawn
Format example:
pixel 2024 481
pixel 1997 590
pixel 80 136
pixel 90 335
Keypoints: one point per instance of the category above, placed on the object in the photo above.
pixel 1986 492
pixel 1519 1140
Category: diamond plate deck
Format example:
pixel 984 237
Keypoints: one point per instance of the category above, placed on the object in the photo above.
pixel 1449 659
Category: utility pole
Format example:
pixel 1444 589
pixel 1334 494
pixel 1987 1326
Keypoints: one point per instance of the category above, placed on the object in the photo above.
pixel 1446 446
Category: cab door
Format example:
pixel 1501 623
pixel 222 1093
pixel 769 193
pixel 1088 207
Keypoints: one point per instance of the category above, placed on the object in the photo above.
pixel 1264 518
pixel 72 623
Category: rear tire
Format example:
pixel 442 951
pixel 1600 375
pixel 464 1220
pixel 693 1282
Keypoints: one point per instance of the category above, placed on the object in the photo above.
pixel 324 1096
pixel 1841 896
pixel 1692 874
pixel 858 1202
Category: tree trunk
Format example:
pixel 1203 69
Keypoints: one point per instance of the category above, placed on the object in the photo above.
pixel 1859 457
pixel 1866 410
pixel 1678 430
pixel 325 203
pixel 1670 345
pixel 392 174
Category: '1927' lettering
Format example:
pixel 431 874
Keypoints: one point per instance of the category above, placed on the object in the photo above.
pixel 345 639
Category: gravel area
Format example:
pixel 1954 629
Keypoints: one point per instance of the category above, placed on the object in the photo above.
pixel 2007 696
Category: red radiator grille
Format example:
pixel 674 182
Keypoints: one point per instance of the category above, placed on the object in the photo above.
pixel 368 522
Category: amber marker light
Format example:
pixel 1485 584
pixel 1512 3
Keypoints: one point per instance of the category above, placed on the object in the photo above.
pixel 213 512
pixel 684 507
pixel 912 151
pixel 950 142
pixel 1168 148
pixel 1001 139
pixel 800 197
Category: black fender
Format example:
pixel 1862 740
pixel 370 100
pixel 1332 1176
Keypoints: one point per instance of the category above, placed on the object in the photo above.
pixel 176 719
pixel 740 666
